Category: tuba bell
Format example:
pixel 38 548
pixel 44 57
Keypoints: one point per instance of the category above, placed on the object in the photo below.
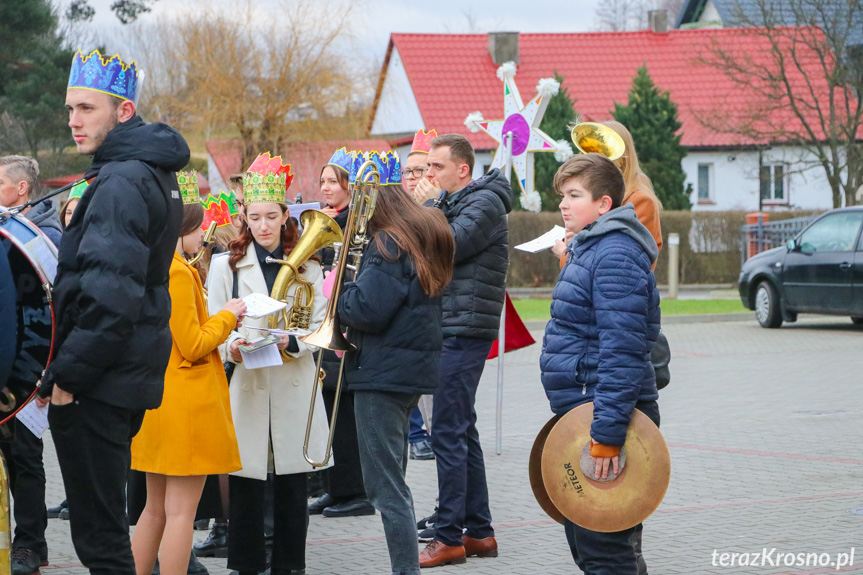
pixel 590 137
pixel 319 231
pixel 364 194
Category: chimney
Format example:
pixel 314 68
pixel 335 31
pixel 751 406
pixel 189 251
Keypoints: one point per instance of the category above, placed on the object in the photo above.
pixel 658 21
pixel 503 47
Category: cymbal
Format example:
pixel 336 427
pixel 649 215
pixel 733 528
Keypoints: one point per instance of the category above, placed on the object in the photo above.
pixel 615 504
pixel 535 472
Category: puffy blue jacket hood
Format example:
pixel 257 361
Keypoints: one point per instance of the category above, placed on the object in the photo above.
pixel 622 219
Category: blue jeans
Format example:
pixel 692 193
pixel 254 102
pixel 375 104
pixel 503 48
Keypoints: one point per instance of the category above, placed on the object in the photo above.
pixel 460 467
pixel 417 432
pixel 598 553
pixel 382 432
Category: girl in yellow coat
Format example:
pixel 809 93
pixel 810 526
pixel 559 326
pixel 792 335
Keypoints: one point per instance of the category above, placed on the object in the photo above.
pixel 191 435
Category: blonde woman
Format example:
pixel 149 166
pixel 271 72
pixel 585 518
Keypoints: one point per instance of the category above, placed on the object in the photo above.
pixel 639 190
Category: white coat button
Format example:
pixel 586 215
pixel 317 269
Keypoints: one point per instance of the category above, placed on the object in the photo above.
pixel 296 381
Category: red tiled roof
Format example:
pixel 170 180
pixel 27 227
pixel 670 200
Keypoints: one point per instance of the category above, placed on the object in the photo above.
pixel 306 159
pixel 60 181
pixel 598 69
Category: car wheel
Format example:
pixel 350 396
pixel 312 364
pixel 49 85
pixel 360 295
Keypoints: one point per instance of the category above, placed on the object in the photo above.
pixel 767 310
pixel 857 320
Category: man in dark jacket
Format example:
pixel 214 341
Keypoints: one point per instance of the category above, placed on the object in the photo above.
pixel 112 301
pixel 19 176
pixel 472 303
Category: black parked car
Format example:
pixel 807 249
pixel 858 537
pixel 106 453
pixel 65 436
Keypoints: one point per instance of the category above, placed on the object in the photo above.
pixel 819 271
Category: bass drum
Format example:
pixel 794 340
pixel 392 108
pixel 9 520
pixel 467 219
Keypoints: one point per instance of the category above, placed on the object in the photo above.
pixel 26 310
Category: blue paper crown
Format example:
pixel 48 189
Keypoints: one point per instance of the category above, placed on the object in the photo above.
pixel 357 161
pixel 388 166
pixel 112 76
pixel 343 159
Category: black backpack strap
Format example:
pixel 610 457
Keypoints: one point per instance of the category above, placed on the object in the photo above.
pixel 235 291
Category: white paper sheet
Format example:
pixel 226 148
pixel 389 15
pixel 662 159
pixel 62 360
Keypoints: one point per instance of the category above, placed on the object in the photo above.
pixel 268 356
pixel 259 305
pixel 35 418
pixel 543 242
pixel 297 209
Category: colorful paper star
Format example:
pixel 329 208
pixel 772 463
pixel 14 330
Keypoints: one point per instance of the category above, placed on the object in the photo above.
pixel 523 121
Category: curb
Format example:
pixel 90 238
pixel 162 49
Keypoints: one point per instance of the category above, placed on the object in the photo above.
pixel 539 325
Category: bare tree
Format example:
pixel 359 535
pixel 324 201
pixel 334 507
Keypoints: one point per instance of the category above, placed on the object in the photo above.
pixel 268 80
pixel 625 15
pixel 806 84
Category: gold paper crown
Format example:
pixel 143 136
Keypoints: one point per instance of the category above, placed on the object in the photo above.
pixel 264 188
pixel 189 187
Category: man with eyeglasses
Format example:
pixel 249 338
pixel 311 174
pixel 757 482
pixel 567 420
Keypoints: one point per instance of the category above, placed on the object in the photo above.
pixel 416 164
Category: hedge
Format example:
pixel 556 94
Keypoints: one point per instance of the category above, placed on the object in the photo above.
pixel 714 260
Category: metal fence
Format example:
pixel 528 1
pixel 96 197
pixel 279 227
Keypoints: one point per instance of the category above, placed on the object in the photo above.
pixel 760 236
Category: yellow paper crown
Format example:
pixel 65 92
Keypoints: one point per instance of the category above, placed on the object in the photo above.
pixel 189 187
pixel 263 188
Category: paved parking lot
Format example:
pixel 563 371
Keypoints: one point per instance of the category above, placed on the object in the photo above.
pixel 764 428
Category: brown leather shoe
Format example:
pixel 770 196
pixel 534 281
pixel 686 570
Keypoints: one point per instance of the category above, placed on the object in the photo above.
pixel 479 547
pixel 437 553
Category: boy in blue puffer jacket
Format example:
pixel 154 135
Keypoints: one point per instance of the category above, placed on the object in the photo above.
pixel 604 320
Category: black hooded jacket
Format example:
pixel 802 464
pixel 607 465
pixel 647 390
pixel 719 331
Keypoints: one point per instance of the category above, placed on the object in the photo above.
pixel 472 302
pixel 111 293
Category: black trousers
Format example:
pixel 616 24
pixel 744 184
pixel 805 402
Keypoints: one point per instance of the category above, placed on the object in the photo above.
pixel 27 482
pixel 246 552
pixel 93 442
pixel 344 480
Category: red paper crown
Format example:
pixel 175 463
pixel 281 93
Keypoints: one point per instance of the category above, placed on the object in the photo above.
pixel 264 164
pixel 217 209
pixel 422 141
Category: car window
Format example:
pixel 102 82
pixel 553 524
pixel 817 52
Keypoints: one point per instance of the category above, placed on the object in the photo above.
pixel 834 233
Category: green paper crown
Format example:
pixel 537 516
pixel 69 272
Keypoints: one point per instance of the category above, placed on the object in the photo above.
pixel 78 190
pixel 263 188
pixel 189 187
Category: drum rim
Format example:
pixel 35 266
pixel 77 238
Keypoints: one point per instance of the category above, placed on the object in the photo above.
pixel 43 277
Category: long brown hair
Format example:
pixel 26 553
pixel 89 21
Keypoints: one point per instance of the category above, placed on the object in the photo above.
pixel 421 232
pixel 239 246
pixel 633 175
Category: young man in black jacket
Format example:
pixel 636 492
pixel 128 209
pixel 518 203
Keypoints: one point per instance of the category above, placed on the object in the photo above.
pixel 112 302
pixel 472 303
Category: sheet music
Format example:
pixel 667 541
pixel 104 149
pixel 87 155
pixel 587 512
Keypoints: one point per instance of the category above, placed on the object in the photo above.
pixel 259 305
pixel 267 356
pixel 543 242
pixel 35 418
pixel 297 209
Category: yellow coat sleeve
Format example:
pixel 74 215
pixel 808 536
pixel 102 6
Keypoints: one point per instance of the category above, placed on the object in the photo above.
pixel 194 339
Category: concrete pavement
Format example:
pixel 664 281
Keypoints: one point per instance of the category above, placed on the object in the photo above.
pixel 764 432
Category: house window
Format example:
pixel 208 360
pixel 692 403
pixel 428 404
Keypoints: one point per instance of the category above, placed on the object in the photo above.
pixel 705 177
pixel 772 180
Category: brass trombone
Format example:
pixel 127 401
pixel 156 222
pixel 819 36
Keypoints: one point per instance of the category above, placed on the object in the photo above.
pixel 364 194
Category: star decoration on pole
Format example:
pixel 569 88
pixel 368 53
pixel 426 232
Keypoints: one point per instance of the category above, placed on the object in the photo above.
pixel 523 122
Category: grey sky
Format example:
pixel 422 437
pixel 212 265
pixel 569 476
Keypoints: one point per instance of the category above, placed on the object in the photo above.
pixel 384 17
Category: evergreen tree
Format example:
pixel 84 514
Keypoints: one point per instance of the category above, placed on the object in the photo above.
pixel 558 115
pixel 651 117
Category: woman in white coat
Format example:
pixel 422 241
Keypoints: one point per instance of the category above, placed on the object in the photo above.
pixel 269 405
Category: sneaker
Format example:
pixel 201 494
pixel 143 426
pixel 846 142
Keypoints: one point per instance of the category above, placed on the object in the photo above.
pixel 427 522
pixel 25 561
pixel 422 450
pixel 54 512
pixel 196 567
pixel 64 513
pixel 426 535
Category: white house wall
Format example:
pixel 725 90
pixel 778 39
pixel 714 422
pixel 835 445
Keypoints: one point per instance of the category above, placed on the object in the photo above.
pixel 398 113
pixel 735 181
